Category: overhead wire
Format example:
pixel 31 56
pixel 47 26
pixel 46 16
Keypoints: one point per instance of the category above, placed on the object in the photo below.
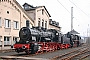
pixel 88 1
pixel 63 6
pixel 79 8
pixel 70 12
pixel 81 11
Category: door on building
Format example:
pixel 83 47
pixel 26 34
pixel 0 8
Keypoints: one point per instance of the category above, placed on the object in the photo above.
pixel 7 41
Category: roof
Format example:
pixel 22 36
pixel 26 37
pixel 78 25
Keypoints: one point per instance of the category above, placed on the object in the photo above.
pixel 74 32
pixel 33 8
pixel 46 10
pixel 55 25
pixel 28 5
pixel 23 10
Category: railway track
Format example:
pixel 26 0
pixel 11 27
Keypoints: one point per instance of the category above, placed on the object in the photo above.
pixel 30 55
pixel 8 50
pixel 64 54
pixel 74 55
pixel 51 54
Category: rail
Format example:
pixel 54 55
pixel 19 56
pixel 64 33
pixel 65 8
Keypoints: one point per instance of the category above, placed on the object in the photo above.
pixel 17 58
pixel 74 53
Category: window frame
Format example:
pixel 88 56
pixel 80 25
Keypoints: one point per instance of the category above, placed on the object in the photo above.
pixel 42 23
pixel 7 23
pixel 0 21
pixel 15 24
pixel 45 24
pixel 42 11
pixel 7 40
pixel 0 40
pixel 39 21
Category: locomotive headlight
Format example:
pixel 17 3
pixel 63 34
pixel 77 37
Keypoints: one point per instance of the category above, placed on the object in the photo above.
pixel 56 33
pixel 35 44
pixel 27 41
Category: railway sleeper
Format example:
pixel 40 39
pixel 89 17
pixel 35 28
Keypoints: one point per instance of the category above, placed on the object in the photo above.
pixel 70 57
pixel 84 56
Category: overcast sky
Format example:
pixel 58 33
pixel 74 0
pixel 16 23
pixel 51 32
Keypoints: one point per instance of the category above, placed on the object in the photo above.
pixel 60 11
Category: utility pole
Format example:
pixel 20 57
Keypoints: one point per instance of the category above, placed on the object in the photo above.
pixel 71 18
pixel 87 31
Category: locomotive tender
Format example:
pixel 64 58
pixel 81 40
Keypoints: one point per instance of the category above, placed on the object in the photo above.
pixel 38 39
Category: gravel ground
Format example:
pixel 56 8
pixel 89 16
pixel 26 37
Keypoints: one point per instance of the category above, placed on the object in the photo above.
pixel 56 53
pixel 45 55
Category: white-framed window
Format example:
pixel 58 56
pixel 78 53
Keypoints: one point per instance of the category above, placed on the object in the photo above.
pixel 6 40
pixel 45 24
pixel 0 40
pixel 0 21
pixel 42 11
pixel 27 23
pixel 42 23
pixel 16 25
pixel 38 21
pixel 7 23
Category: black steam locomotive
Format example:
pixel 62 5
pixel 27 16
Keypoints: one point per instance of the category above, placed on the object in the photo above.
pixel 38 39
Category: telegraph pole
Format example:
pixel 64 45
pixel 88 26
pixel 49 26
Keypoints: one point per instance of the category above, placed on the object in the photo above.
pixel 71 18
pixel 87 31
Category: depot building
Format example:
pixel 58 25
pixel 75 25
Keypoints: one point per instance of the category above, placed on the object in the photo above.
pixel 13 17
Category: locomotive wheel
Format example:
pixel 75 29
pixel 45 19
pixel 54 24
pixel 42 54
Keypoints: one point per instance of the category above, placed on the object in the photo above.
pixel 34 48
pixel 58 48
pixel 33 52
pixel 27 52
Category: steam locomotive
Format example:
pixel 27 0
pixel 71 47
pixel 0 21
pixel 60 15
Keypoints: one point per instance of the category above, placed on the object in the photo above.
pixel 38 39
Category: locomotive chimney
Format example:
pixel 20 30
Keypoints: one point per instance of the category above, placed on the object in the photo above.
pixel 27 23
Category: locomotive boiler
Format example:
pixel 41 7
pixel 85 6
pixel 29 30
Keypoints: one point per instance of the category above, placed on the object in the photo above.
pixel 36 34
pixel 38 39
